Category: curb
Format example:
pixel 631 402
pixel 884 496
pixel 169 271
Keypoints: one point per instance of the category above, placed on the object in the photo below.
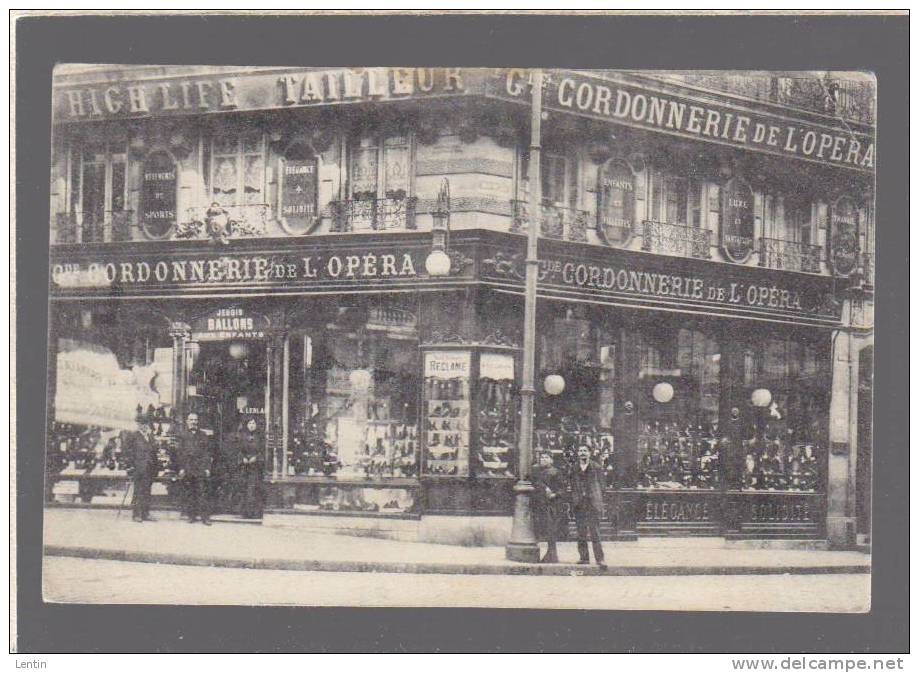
pixel 534 569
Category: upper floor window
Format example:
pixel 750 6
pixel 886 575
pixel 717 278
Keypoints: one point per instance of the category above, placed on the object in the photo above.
pixel 675 199
pixel 381 167
pixel 787 219
pixel 98 184
pixel 555 180
pixel 237 169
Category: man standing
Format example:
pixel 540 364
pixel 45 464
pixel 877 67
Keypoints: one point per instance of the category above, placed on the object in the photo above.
pixel 587 502
pixel 141 450
pixel 549 485
pixel 194 454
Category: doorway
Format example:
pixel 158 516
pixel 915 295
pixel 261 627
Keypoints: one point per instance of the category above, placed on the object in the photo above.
pixel 227 386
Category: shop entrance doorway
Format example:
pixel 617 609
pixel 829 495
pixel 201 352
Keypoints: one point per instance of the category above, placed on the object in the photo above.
pixel 227 387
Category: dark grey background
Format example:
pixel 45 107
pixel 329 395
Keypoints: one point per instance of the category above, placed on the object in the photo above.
pixel 872 43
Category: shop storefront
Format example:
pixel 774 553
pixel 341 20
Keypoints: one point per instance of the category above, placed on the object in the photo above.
pixel 705 396
pixel 254 245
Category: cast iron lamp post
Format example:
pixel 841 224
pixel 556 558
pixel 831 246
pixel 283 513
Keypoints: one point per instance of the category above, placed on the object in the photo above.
pixel 522 545
pixel 437 262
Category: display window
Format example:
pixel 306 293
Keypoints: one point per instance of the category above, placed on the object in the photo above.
pixel 679 375
pixel 353 385
pixel 786 381
pixel 109 366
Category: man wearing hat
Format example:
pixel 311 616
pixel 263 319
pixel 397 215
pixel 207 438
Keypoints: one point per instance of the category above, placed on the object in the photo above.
pixel 193 449
pixel 587 502
pixel 142 450
pixel 549 485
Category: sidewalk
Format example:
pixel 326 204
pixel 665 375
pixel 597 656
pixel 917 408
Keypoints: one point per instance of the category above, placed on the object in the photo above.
pixel 279 545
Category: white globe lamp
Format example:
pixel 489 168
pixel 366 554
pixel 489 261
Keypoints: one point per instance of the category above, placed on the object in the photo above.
pixel 663 392
pixel 554 384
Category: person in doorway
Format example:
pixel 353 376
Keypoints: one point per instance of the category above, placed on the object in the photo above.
pixel 141 451
pixel 250 448
pixel 586 483
pixel 549 485
pixel 195 463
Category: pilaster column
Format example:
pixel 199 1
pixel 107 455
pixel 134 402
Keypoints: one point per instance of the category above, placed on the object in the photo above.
pixel 840 494
pixel 180 333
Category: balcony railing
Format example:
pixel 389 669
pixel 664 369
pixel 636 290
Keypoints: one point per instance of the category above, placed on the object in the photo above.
pixel 676 239
pixel 567 224
pixel 373 214
pixel 246 221
pixel 114 225
pixel 776 253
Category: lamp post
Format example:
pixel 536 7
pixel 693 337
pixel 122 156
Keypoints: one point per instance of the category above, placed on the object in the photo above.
pixel 522 545
pixel 437 262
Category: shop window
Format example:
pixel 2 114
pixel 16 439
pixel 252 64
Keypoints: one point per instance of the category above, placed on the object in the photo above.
pixel 786 381
pixel 497 406
pixel 354 388
pixel 98 183
pixel 237 169
pixel 582 412
pixel 678 443
pixel 108 366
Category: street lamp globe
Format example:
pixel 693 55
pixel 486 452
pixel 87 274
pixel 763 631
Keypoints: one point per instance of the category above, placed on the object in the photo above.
pixel 761 397
pixel 554 384
pixel 437 263
pixel 663 392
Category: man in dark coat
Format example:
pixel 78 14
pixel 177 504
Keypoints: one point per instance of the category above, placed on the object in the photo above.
pixel 141 451
pixel 587 502
pixel 549 485
pixel 193 450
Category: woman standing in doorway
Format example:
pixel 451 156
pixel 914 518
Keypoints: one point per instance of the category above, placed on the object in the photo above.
pixel 251 448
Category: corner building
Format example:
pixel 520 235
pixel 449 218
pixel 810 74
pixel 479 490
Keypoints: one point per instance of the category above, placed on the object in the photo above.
pixel 252 242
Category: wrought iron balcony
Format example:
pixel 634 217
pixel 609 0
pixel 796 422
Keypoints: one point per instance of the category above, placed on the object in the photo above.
pixel 676 239
pixel 246 221
pixel 373 214
pixel 567 224
pixel 85 227
pixel 776 253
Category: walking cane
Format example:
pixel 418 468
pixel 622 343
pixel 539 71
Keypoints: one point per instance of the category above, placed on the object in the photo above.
pixel 125 498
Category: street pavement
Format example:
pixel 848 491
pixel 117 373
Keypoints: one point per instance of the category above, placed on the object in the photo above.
pixel 71 580
pixel 281 545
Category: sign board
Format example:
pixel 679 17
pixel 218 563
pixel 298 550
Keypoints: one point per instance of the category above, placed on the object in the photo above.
pixel 843 238
pixel 652 105
pixel 616 207
pixel 158 194
pixel 229 323
pixel 737 220
pixel 299 194
pixel 496 366
pixel 447 364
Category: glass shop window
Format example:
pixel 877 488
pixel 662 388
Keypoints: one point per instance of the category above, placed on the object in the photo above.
pixel 787 383
pixel 354 388
pixel 98 184
pixel 109 365
pixel 237 169
pixel 581 411
pixel 679 375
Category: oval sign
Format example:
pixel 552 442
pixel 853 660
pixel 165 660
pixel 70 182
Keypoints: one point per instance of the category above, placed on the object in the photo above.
pixel 615 202
pixel 737 220
pixel 299 191
pixel 843 238
pixel 158 194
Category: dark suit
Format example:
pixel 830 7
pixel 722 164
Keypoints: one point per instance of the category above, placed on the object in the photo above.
pixel 142 453
pixel 195 456
pixel 587 503
pixel 549 485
